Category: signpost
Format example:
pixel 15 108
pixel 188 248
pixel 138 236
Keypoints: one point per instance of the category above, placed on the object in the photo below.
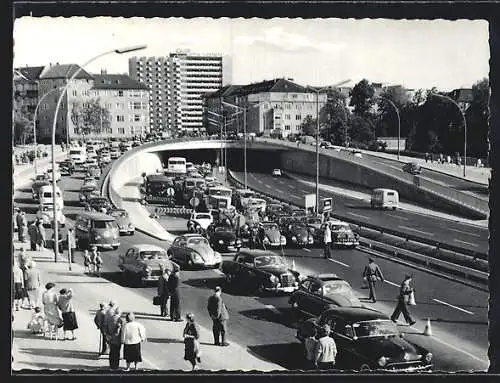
pixel 326 207
pixel 194 202
pixel 310 202
pixel 170 192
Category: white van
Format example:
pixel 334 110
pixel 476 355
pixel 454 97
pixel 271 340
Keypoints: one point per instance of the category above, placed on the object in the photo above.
pixel 78 154
pixel 384 198
pixel 45 196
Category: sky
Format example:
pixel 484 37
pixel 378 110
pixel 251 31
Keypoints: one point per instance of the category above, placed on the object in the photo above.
pixel 413 53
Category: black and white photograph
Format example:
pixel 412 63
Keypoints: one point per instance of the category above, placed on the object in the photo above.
pixel 250 194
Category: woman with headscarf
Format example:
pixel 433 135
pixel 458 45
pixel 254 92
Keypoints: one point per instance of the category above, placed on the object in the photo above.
pixel 40 235
pixel 65 304
pixel 191 336
pixel 133 335
pixel 163 290
pixel 50 309
pixel 175 295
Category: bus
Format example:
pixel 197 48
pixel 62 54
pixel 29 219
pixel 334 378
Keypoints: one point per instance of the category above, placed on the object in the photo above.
pixel 176 165
pixel 78 154
pixel 221 192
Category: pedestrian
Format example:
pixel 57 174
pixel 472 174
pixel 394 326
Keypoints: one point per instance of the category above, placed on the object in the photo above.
pixel 65 304
pixel 310 346
pixel 32 284
pixel 426 157
pixel 109 314
pixel 87 262
pixel 218 312
pixel 23 258
pixel 71 241
pixel 18 279
pixel 98 263
pixel 163 290
pixel 51 311
pixel 327 241
pixel 40 236
pixel 99 322
pixel 191 336
pixel 93 260
pixel 32 230
pixel 403 298
pixel 175 295
pixel 37 322
pixel 326 349
pixel 114 338
pixel 371 273
pixel 133 335
pixel 20 227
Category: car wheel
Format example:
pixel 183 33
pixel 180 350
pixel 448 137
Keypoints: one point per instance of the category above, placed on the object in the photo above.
pixel 115 247
pixel 229 279
pixel 364 368
pixel 261 290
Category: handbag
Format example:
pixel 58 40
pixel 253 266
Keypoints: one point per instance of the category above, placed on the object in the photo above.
pixel 365 283
pixel 156 301
pixel 411 299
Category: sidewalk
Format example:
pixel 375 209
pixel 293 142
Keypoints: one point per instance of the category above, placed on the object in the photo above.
pixel 164 349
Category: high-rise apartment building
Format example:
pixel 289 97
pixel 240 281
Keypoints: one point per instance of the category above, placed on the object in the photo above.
pixel 176 85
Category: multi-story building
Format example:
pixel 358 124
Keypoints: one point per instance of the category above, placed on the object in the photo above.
pixel 176 84
pixel 277 105
pixel 26 86
pixel 126 100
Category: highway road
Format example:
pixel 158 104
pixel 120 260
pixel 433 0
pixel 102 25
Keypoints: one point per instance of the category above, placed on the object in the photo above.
pixel 266 325
pixel 458 234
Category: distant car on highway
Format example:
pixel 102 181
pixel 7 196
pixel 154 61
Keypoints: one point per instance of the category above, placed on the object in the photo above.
pixel 94 171
pixel 193 250
pixel 115 153
pixel 412 168
pixel 357 153
pixel 326 145
pixel 260 271
pixel 320 292
pixel 141 264
pixel 123 221
pixel 366 339
pixel 276 173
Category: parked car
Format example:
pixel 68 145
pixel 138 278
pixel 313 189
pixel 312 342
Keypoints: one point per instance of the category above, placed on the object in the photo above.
pixel 94 171
pixel 46 214
pixel 199 222
pixel 269 235
pixel 193 250
pixel 320 292
pixel 223 238
pixel 273 209
pixel 342 234
pixel 36 186
pixel 297 234
pixel 412 168
pixel 96 229
pixel 367 339
pixel 261 271
pixel 276 173
pixel 89 181
pixel 141 264
pixel 97 203
pixel 122 218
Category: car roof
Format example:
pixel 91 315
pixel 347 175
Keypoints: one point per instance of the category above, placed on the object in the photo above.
pixel 96 216
pixel 325 277
pixel 147 247
pixel 192 235
pixel 356 314
pixel 258 252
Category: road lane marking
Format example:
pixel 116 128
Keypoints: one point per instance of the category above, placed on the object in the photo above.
pixel 458 349
pixel 294 196
pixel 305 249
pixel 455 307
pixel 340 263
pixel 467 243
pixel 397 217
pixel 273 309
pixel 259 181
pixel 418 231
pixel 267 186
pixel 280 191
pixel 358 215
pixel 281 182
pixel 464 232
pixel 291 186
pixel 391 283
pixel 304 191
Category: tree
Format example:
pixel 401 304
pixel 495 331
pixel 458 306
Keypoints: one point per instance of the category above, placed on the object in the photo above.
pixel 23 123
pixel 477 119
pixel 362 97
pixel 362 131
pixel 90 117
pixel 333 118
pixel 308 126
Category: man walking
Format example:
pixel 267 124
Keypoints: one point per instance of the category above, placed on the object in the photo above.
pixel 218 312
pixel 40 235
pixel 99 322
pixel 403 299
pixel 32 230
pixel 175 295
pixel 21 225
pixel 371 273
pixel 114 331
pixel 327 241
pixel 163 290
pixel 32 284
pixel 71 242
pixel 326 349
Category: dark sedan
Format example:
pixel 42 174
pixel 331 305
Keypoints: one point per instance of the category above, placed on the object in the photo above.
pixel 412 168
pixel 260 271
pixel 98 203
pixel 223 238
pixel 296 234
pixel 367 340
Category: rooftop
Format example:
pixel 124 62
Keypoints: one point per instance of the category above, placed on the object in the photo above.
pixel 30 73
pixel 279 85
pixel 116 81
pixel 64 71
pixel 461 95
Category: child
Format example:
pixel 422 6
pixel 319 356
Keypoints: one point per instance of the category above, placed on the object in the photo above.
pixel 86 261
pixel 37 322
pixel 98 263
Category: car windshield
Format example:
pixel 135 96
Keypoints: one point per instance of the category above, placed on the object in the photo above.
pixel 337 227
pixel 104 225
pixel 118 213
pixel 382 327
pixel 337 287
pixel 153 254
pixel 198 241
pixel 269 260
pixel 203 216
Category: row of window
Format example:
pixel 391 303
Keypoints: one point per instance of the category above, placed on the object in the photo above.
pixel 109 92
pixel 135 118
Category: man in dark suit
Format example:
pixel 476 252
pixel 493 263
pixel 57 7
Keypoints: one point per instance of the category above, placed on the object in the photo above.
pixel 218 312
pixel 175 295
pixel 372 272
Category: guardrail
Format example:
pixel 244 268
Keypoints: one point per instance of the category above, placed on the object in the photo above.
pixel 465 271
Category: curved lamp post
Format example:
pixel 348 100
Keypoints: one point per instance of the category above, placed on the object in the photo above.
pixel 397 114
pixel 465 125
pixel 54 125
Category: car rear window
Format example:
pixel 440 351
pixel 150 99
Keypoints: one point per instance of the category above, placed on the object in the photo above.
pixel 104 224
pixel 390 194
pixel 153 254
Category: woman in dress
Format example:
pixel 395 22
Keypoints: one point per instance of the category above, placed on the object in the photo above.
pixel 49 299
pixel 65 304
pixel 191 336
pixel 133 335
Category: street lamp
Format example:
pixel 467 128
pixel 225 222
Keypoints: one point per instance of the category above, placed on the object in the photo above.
pixel 54 125
pixel 465 125
pixel 397 114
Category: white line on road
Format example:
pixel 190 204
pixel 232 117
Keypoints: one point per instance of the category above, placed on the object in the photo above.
pixel 304 191
pixel 464 232
pixel 291 186
pixel 294 196
pixel 467 243
pixel 267 186
pixel 455 307
pixel 305 249
pixel 279 191
pixel 418 231
pixel 281 182
pixel 397 217
pixel 340 263
pixel 358 215
pixel 259 181
pixel 273 309
pixel 391 283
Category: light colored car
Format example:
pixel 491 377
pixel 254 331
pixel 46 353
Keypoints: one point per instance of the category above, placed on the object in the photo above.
pixel 199 221
pixel 269 235
pixel 141 263
pixel 123 221
pixel 357 153
pixel 91 162
pixel 89 181
pixel 193 250
pixel 46 214
pixel 258 204
pixel 276 172
pixel 57 176
pixel 105 157
pixel 115 153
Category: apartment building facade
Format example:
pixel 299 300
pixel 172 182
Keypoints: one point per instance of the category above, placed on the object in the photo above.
pixel 176 85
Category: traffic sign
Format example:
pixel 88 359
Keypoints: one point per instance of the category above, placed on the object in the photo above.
pixel 326 204
pixel 222 203
pixel 310 201
pixel 170 192
pixel 194 202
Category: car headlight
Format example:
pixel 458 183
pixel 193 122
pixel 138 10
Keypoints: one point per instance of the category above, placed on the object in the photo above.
pixel 97 236
pixel 130 226
pixel 266 240
pixel 428 357
pixel 221 242
pixel 294 238
pixel 382 361
pixel 273 278
pixel 147 270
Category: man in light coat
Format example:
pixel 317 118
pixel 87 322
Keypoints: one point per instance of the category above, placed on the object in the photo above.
pixel 218 312
pixel 372 272
pixel 32 284
pixel 327 241
pixel 326 349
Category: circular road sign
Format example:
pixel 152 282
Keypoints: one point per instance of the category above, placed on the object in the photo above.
pixel 194 202
pixel 170 192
